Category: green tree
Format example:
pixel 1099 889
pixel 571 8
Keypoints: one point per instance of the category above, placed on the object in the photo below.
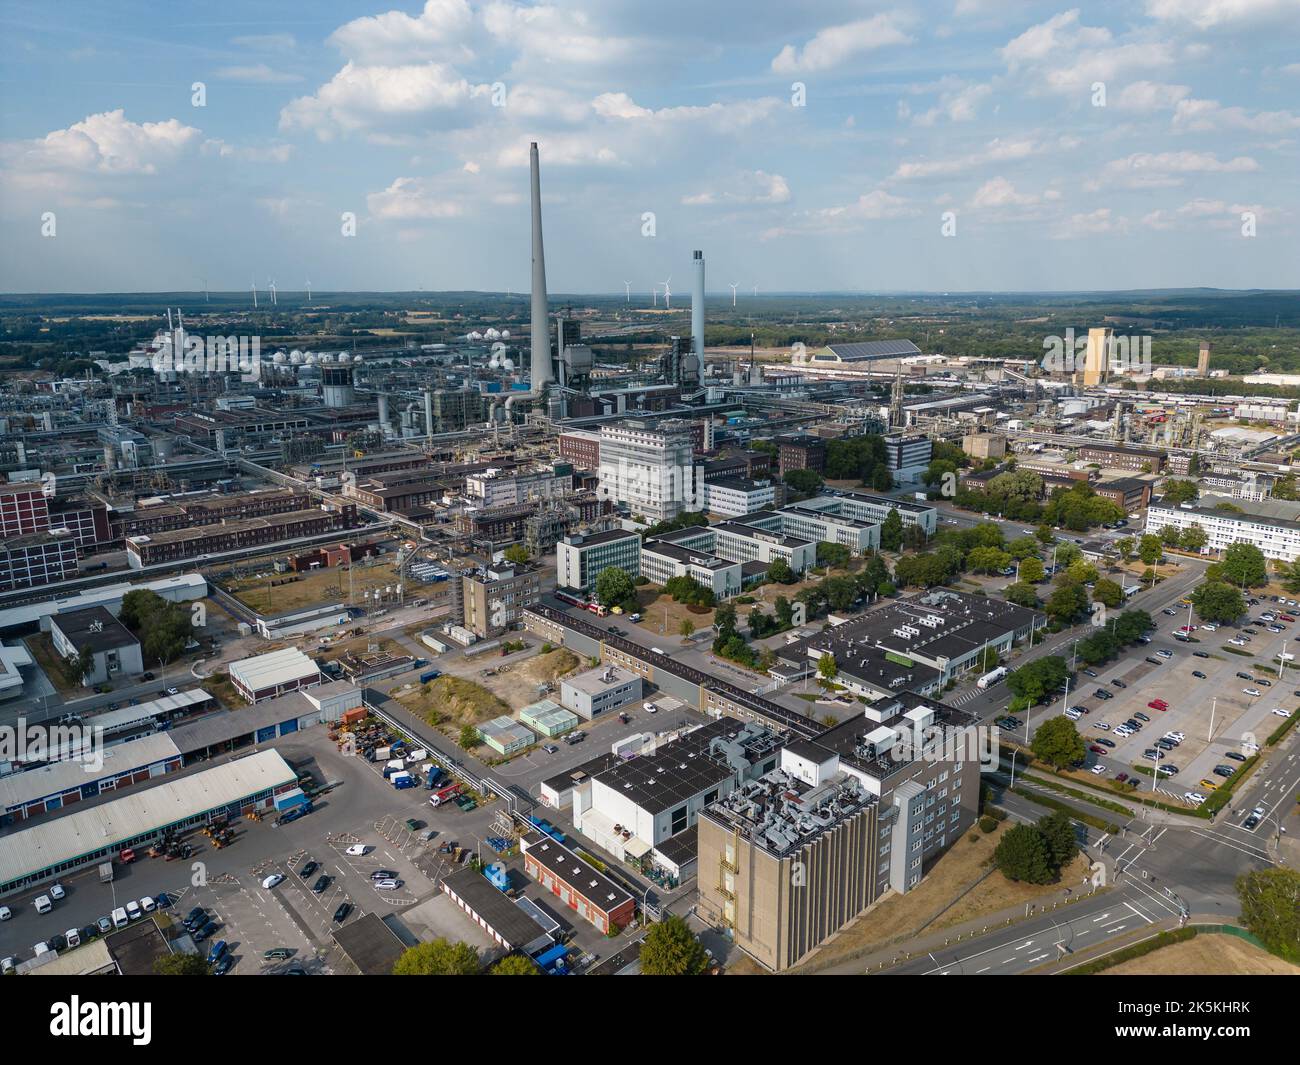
pixel 1176 492
pixel 1057 831
pixel 181 964
pixel 1058 743
pixel 1067 604
pixel 514 965
pixel 1290 577
pixel 516 553
pixel 1218 602
pixel 784 612
pixel 1022 594
pixel 438 958
pixel 1032 570
pixel 987 560
pixel 832 555
pixel 1244 566
pixel 808 482
pixel 891 532
pixel 826 667
pixel 1035 680
pixel 614 587
pixel 1270 909
pixel 1150 549
pixel 686 628
pixel 1170 536
pixel 1022 855
pixel 841 592
pixel 671 949
pixel 1108 591
pixel 1193 538
pixel 469 737
pixel 779 571
pixel 1023 547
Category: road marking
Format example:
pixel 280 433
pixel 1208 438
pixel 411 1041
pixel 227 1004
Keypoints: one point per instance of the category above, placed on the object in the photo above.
pixel 1139 913
pixel 1026 943
pixel 983 970
pixel 1101 918
pixel 1040 957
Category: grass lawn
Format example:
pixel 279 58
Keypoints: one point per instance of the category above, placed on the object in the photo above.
pixel 1206 955
pixel 900 917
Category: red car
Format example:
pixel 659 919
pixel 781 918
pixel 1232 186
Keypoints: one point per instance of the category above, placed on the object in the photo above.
pixel 1096 749
pixel 1158 704
pixel 1121 777
pixel 1285 617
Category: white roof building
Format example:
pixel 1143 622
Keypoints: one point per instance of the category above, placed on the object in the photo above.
pixel 266 676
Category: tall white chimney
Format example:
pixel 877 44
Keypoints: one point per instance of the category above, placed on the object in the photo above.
pixel 540 370
pixel 697 309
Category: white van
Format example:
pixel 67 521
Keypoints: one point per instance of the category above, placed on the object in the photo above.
pixel 41 949
pixel 43 904
pixel 73 937
pixel 148 904
pixel 120 919
pixel 133 910
pixel 5 913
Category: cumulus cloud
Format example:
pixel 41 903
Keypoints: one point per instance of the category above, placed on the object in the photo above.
pixel 838 44
pixel 751 187
pixel 1206 14
pixel 1167 169
pixel 108 143
pixel 874 206
pixel 994 152
pixel 999 192
pixel 395 35
pixel 1147 96
pixel 258 74
pixel 412 199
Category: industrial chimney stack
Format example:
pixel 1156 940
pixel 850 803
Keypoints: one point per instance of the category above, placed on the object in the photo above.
pixel 540 371
pixel 697 309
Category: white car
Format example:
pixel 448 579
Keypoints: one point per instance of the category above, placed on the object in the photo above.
pixel 1162 653
pixel 41 948
pixel 1253 692
pixel 57 892
pixel 8 965
pixel 356 850
pixel 1101 726
pixel 1073 715
pixel 1193 797
pixel 387 885
pixel 1098 770
pixel 1280 712
pixel 1237 643
pixel 650 708
pixel 1210 627
pixel 1124 730
pixel 273 880
pixel 173 691
pixel 148 904
pixel 5 913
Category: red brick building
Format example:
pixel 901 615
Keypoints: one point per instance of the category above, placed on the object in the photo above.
pixel 578 885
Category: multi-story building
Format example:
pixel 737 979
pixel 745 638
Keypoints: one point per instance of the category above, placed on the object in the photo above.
pixel 750 465
pixel 110 648
pixel 492 599
pixel 600 690
pixel 25 508
pixel 581 448
pixel 1122 458
pixel 496 488
pixel 650 467
pixel 662 560
pixel 1131 493
pixel 818 526
pixel 734 497
pixel 190 514
pixel 580 558
pixel 37 558
pixel 1277 537
pixel 753 547
pixel 789 858
pixel 984 446
pixel 802 451
pixel 512 524
pixel 864 507
pixel 179 544
pixel 907 457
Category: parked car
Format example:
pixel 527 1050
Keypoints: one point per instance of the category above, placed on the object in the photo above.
pixel 1105 742
pixel 550 748
pixel 1200 654
pixel 1121 777
pixel 1194 798
pixel 224 964
pixel 341 914
pixel 133 911
pixel 1098 769
pixel 204 931
pixel 1198 674
pixel 357 850
pixel 322 882
pixel 1116 682
pixel 274 880
pixel 1250 823
pixel 1253 692
pixel 1141 716
pixel 387 885
pixel 56 891
pixel 383 874
pixel 308 869
pixel 1224 771
pixel 1234 755
pixel 1280 712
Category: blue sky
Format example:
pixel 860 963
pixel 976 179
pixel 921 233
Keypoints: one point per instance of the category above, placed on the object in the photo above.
pixel 1103 146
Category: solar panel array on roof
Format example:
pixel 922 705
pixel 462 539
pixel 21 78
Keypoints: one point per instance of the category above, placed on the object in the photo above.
pixel 875 349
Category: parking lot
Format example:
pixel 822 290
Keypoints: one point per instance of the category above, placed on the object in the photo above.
pixel 1213 711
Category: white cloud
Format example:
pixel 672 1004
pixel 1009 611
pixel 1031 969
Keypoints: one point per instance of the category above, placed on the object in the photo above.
pixel 837 44
pixel 957 105
pixel 722 116
pixel 274 153
pixel 358 95
pixel 1052 39
pixel 412 199
pixel 751 187
pixel 258 74
pixel 1090 224
pixel 1065 56
pixel 995 151
pixel 1205 14
pixel 1147 96
pixel 874 206
pixel 1202 116
pixel 999 192
pixel 108 143
pixel 395 35
pixel 558 35
pixel 1165 169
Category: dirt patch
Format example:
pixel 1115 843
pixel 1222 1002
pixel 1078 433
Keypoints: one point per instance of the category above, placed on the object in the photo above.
pixel 42 649
pixel 451 702
pixel 1206 955
pixel 900 917
pixel 316 587
pixel 548 668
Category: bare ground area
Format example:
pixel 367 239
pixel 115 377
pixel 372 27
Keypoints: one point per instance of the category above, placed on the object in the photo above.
pixel 316 587
pixel 900 917
pixel 522 683
pixel 451 702
pixel 1206 955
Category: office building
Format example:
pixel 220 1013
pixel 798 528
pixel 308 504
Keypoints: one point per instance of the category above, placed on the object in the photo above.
pixel 1276 536
pixel 577 884
pixel 37 558
pixel 734 497
pixel 1122 458
pixel 581 557
pixel 649 467
pixel 802 451
pixel 984 446
pixel 109 649
pixel 181 544
pixel 907 457
pixel 600 690
pixel 493 598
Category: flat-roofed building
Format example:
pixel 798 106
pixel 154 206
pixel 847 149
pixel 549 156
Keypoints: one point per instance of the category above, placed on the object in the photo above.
pixel 108 647
pixel 1276 536
pixel 734 497
pixel 37 558
pixel 581 557
pixel 1122 458
pixel 180 544
pixel 600 690
pixel 577 884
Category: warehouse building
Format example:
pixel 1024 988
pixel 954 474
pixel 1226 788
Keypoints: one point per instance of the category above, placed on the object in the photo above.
pixel 34 855
pixel 266 676
pixel 580 886
pixel 506 922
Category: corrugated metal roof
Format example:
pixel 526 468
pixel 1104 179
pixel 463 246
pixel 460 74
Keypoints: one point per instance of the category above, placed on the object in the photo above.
pixel 269 670
pixel 32 784
pixel 85 832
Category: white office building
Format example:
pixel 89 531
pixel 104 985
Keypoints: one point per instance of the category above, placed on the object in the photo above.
pixel 1276 537
pixel 734 497
pixel 651 468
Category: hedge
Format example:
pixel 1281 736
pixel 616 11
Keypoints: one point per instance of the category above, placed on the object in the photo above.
pixel 1137 950
pixel 1068 810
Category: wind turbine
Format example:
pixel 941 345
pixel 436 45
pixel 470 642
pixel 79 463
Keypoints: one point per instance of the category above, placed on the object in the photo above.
pixel 668 295
pixel 270 283
pixel 733 292
pixel 205 289
pixel 628 285
pixel 254 293
pixel 308 291
pixel 755 288
pixel 654 295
